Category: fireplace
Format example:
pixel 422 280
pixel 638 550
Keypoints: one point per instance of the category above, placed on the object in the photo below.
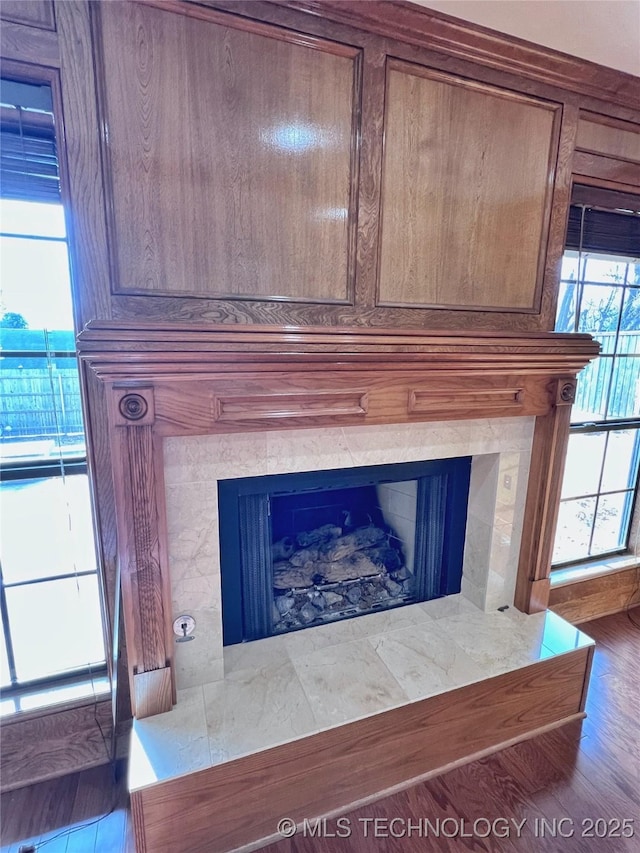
pixel 389 696
pixel 190 407
pixel 196 466
pixel 310 548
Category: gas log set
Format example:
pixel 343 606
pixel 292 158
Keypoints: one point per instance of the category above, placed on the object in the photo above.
pixel 332 572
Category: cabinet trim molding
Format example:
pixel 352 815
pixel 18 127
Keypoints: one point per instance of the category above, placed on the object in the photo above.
pixel 439 32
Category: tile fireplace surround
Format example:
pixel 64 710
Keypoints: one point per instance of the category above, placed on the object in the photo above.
pixel 252 696
pixel 311 722
pixel 500 448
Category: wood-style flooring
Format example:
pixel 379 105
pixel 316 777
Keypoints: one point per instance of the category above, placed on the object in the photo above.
pixel 579 774
pixel 568 791
pixel 84 812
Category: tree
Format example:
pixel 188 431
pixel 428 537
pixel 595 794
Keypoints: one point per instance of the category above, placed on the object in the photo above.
pixel 12 320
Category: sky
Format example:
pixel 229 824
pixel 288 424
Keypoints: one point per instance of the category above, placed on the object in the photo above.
pixel 34 274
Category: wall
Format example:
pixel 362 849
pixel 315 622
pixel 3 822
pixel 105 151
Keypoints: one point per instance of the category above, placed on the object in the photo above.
pixel 80 54
pixel 602 31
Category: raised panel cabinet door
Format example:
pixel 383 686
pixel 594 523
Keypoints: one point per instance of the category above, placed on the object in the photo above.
pixel 231 151
pixel 467 180
pixel 33 13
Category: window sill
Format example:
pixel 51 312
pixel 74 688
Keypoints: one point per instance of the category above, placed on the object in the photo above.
pixel 587 571
pixel 48 700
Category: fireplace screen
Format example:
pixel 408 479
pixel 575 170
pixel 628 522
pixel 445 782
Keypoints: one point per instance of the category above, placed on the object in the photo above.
pixel 299 550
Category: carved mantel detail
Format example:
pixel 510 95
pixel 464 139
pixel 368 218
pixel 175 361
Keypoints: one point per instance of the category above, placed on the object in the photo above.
pixel 133 407
pixel 566 394
pixel 175 381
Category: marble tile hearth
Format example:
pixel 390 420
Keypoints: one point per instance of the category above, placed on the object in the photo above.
pixel 235 701
pixel 284 688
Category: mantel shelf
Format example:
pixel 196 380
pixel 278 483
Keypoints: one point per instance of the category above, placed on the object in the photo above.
pixel 120 351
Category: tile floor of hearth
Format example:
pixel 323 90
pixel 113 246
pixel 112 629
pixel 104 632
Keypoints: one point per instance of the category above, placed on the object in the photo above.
pixel 283 688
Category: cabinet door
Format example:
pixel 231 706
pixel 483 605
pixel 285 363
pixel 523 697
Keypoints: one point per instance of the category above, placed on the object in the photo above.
pixel 466 196
pixel 35 13
pixel 231 155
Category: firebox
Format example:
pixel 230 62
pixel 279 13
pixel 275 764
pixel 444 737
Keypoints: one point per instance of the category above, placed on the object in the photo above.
pixel 299 550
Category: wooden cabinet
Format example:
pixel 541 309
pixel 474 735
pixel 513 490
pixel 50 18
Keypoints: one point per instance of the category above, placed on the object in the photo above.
pixel 232 156
pixel 601 135
pixel 608 150
pixel 468 172
pixel 277 164
pixel 236 172
pixel 35 13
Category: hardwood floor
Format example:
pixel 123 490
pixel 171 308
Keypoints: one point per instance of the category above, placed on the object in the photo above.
pixel 581 781
pixel 585 777
pixel 80 813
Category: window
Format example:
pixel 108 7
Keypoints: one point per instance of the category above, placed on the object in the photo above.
pixel 600 294
pixel 49 586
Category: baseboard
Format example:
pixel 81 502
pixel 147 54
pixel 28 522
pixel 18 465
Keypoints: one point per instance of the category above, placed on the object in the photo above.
pixel 46 746
pixel 593 598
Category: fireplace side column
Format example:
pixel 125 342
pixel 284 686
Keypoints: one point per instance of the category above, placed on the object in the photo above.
pixel 141 526
pixel 548 456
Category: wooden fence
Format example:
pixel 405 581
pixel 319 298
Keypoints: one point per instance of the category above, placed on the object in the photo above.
pixel 38 403
pixel 622 372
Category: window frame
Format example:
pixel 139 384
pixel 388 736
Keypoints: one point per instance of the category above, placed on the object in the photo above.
pixel 63 466
pixel 596 198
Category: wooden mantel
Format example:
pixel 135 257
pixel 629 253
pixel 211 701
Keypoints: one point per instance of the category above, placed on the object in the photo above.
pixel 168 380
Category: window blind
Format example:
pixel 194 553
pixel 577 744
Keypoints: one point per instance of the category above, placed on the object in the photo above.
pixel 28 156
pixel 28 165
pixel 603 231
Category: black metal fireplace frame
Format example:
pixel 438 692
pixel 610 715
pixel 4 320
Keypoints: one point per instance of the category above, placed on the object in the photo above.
pixel 443 490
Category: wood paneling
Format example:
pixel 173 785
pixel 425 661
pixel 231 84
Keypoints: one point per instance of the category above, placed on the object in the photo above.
pixel 53 744
pixel 289 401
pixel 87 228
pixel 243 149
pixel 314 404
pixel 607 199
pixel 29 44
pixel 452 37
pixel 34 13
pixel 466 193
pixel 330 771
pixel 249 378
pixel 370 175
pixel 609 171
pixel 558 218
pixel 592 598
pixel 502 401
pixel 321 298
pixel 603 135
